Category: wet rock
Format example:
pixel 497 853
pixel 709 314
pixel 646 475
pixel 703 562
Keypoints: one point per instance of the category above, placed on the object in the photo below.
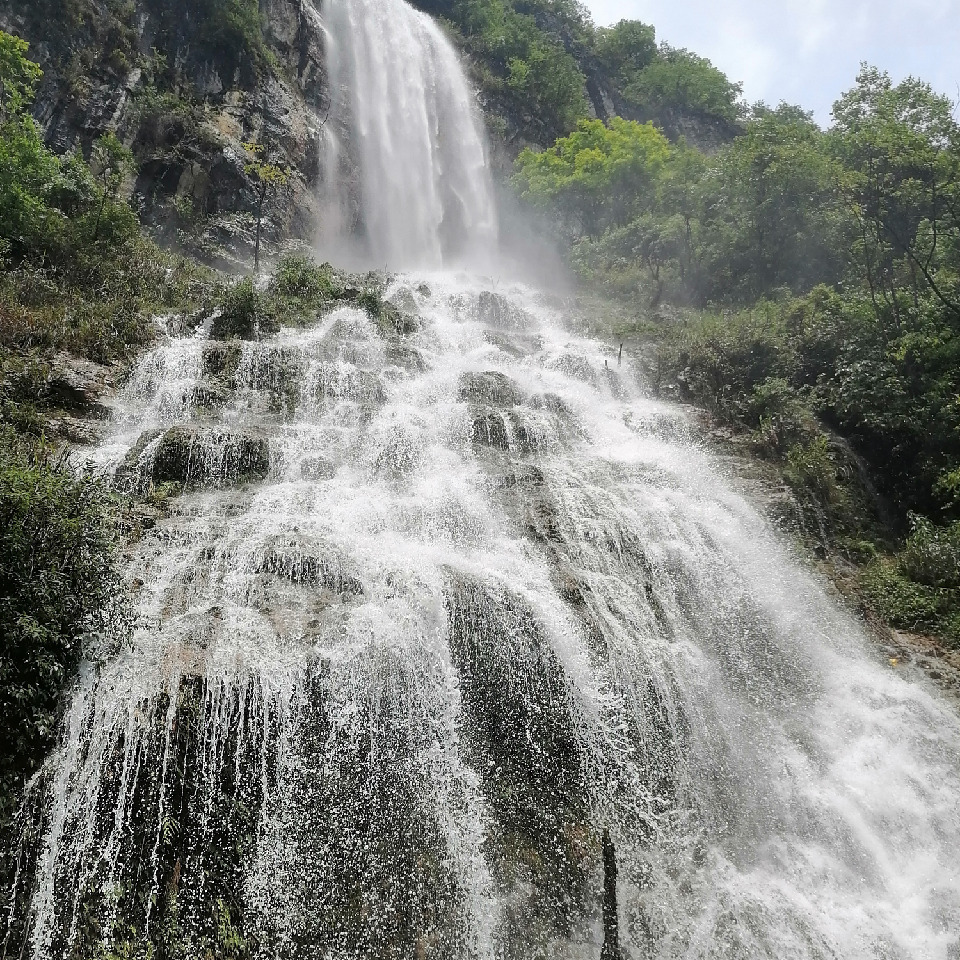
pixel 194 457
pixel 552 403
pixel 399 453
pixel 496 311
pixel 334 382
pixel 395 320
pixel 407 357
pixel 291 563
pixel 404 301
pixel 317 468
pixel 575 366
pixel 525 438
pixel 519 724
pixel 615 384
pixel 77 430
pixel 222 359
pixel 490 388
pixel 516 344
pixel 207 396
pixel 489 430
pixel 525 476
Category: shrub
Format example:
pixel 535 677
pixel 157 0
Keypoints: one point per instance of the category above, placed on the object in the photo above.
pixel 899 601
pixel 59 589
pixel 810 470
pixel 932 555
pixel 302 282
pixel 243 311
pixel 920 589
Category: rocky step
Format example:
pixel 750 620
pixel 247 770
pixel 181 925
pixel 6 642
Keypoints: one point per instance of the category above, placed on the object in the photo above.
pixel 196 457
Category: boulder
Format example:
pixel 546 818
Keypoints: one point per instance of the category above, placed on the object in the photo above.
pixel 490 388
pixel 200 457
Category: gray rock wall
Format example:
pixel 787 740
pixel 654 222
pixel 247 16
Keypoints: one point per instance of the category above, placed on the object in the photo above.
pixel 185 104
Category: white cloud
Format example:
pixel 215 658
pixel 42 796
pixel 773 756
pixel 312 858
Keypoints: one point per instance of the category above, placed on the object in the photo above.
pixel 807 51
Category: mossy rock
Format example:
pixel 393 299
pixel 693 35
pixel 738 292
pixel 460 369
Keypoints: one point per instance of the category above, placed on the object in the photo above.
pixel 489 430
pixel 204 458
pixel 222 359
pixel 490 388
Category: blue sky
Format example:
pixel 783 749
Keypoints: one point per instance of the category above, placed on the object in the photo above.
pixel 806 51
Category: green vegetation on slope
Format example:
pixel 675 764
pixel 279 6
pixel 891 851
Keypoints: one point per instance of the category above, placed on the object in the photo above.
pixel 537 61
pixel 58 587
pixel 76 276
pixel 813 281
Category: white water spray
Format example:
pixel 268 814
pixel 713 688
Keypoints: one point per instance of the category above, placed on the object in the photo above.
pixel 437 608
pixel 408 119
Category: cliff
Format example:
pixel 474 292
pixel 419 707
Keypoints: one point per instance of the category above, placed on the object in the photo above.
pixel 185 85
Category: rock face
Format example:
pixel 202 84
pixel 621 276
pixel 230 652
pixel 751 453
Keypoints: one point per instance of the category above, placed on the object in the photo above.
pixel 195 458
pixel 185 89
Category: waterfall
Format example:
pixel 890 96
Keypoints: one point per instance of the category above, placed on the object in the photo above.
pixel 407 174
pixel 453 642
pixel 442 622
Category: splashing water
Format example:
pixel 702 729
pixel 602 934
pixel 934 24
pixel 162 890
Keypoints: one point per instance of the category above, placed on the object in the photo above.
pixel 411 132
pixel 488 600
pixel 434 610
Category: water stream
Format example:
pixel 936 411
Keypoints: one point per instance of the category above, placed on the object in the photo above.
pixel 432 611
pixel 407 182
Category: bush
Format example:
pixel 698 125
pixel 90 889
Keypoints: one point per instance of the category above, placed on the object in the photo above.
pixel 920 589
pixel 302 282
pixel 932 555
pixel 59 589
pixel 244 312
pixel 811 472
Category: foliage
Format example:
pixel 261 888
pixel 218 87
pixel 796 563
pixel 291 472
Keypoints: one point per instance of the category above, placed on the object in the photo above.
pixel 53 210
pixel 626 49
pixel 678 82
pixel 18 76
pixel 296 293
pixel 824 267
pixel 58 588
pixel 77 273
pixel 919 590
pixel 525 61
pixel 600 174
pixel 303 284
pixel 269 179
pixel 900 149
pixel 232 29
pixel 244 312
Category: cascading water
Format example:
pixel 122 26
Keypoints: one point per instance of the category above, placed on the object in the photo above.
pixel 407 179
pixel 432 611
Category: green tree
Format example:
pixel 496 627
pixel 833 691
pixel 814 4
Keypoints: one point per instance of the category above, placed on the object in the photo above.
pixel 681 83
pixel 900 147
pixel 111 163
pixel 269 180
pixel 626 48
pixel 53 211
pixel 601 175
pixel 769 211
pixel 18 76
